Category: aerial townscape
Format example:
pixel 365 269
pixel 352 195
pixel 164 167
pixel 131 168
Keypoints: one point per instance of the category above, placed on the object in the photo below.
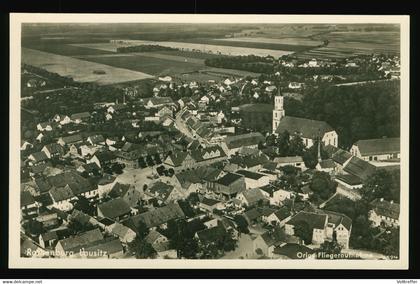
pixel 201 141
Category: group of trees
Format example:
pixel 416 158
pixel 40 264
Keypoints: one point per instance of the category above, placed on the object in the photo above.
pixel 144 48
pixel 383 184
pixel 322 185
pixel 292 145
pixel 139 247
pixel 366 111
pixel 250 63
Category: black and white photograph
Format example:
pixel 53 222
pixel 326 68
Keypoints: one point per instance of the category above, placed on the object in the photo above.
pixel 209 141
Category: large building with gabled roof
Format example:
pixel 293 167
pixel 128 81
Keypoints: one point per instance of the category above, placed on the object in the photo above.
pixel 308 129
pixel 377 149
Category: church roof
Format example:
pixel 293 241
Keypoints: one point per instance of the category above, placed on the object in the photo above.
pixel 308 128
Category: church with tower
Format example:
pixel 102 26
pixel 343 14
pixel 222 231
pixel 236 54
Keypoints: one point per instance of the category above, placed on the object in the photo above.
pixel 308 129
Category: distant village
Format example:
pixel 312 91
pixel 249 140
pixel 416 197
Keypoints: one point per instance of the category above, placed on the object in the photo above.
pixel 192 180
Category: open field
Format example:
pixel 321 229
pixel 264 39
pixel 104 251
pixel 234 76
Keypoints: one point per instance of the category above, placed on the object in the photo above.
pixel 351 43
pixel 214 48
pixel 161 64
pixel 284 41
pixel 65 49
pixel 146 64
pixel 249 45
pixel 157 55
pixel 79 70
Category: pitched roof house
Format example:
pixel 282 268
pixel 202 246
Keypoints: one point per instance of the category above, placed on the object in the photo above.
pixel 377 149
pixel 115 209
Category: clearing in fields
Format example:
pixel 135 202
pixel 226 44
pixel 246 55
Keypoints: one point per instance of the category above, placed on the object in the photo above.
pixel 80 70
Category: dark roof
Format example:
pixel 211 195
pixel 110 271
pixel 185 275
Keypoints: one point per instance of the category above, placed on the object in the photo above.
pixel 228 179
pixel 287 160
pixel 308 128
pixel 349 179
pixel 178 158
pixel 337 218
pixel 293 251
pixel 160 100
pixel 272 238
pixel 253 195
pixel 327 164
pixel 209 201
pixel 90 167
pixel 82 240
pixel 314 220
pixel 55 148
pixel 106 179
pixel 359 168
pixel 72 180
pixel 208 153
pixel 98 138
pixel 249 174
pixel 39 156
pixel 282 213
pixel 158 216
pixel 109 245
pixel 341 156
pixel 72 139
pixel 61 193
pixel 213 234
pixel 249 139
pixel 266 108
pixel 114 208
pixel 253 213
pixel 26 198
pixel 105 156
pixel 378 146
pixel 386 208
pixel 80 115
pixel 249 161
pixel 271 166
pixel 119 190
pixel 160 190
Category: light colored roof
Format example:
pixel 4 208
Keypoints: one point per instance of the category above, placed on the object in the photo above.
pixel 378 146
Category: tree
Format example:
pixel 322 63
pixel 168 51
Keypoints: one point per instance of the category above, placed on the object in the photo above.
pixel 140 248
pixel 382 184
pixel 84 205
pixel 35 228
pixel 330 247
pixel 242 224
pixel 282 142
pixel 303 231
pixel 142 230
pixel 322 185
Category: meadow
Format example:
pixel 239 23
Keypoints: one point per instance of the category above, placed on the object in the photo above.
pixel 79 70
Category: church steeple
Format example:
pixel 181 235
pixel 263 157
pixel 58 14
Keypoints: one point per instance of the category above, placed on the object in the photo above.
pixel 278 112
pixel 319 147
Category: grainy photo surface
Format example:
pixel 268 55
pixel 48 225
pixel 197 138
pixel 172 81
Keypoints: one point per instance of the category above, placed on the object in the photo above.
pixel 274 142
